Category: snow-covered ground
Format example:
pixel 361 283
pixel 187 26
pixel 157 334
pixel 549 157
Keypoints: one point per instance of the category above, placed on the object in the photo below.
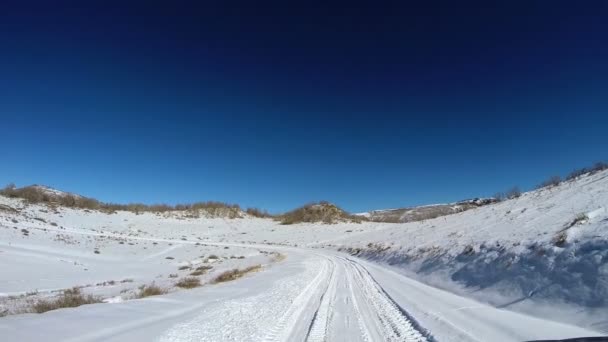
pixel 534 267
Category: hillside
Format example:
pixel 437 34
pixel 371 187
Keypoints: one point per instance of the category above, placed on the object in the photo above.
pixel 425 212
pixel 530 253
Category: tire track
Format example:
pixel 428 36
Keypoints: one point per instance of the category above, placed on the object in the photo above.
pixel 395 323
pixel 321 323
pixel 282 330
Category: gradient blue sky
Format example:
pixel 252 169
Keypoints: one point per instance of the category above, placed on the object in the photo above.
pixel 368 105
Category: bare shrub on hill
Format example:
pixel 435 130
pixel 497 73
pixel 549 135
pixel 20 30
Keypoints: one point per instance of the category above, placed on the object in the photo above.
pixel 150 290
pixel 35 194
pixel 323 211
pixel 188 283
pixel 514 192
pixel 235 274
pixel 551 182
pixel 597 167
pixel 69 299
pixel 255 212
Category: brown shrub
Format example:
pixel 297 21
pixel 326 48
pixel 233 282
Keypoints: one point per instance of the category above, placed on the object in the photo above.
pixel 553 181
pixel 188 283
pixel 235 274
pixel 255 212
pixel 318 212
pixel 514 192
pixel 69 299
pixel 150 290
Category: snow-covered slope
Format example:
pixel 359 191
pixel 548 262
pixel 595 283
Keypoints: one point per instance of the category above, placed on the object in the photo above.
pixel 546 247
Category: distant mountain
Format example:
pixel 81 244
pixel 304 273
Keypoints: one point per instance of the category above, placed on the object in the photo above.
pixel 425 212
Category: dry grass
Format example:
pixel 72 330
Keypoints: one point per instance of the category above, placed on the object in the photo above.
pixel 551 182
pixel 597 167
pixel 34 194
pixel 255 212
pixel 318 212
pixel 69 299
pixel 150 290
pixel 235 274
pixel 201 270
pixel 188 283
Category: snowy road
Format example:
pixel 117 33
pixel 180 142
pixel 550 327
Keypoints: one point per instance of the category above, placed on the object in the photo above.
pixel 313 295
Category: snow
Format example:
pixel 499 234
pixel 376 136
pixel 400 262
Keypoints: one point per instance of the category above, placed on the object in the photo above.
pixel 493 273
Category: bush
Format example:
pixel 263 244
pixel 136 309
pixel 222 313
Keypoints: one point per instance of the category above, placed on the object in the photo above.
pixel 150 290
pixel 69 299
pixel 597 167
pixel 553 181
pixel 235 274
pixel 37 194
pixel 204 268
pixel 188 283
pixel 514 192
pixel 255 212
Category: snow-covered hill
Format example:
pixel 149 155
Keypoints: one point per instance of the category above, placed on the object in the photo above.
pixel 425 212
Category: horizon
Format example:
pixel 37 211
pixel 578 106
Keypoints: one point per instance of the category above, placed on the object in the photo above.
pixel 274 107
pixel 496 195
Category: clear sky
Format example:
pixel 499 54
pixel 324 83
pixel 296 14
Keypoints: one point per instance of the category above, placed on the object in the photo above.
pixel 369 105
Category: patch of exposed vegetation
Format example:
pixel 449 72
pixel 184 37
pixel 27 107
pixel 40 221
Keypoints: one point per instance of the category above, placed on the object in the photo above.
pixel 560 239
pixel 512 193
pixel 255 212
pixel 188 283
pixel 597 167
pixel 551 182
pixel 324 212
pixel 235 274
pixel 150 290
pixel 69 299
pixel 39 194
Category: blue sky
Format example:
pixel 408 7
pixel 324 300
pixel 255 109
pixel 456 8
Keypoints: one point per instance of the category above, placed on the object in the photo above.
pixel 365 106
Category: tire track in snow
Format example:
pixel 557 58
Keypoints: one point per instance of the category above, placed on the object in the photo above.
pixel 321 322
pixel 396 324
pixel 365 334
pixel 282 330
